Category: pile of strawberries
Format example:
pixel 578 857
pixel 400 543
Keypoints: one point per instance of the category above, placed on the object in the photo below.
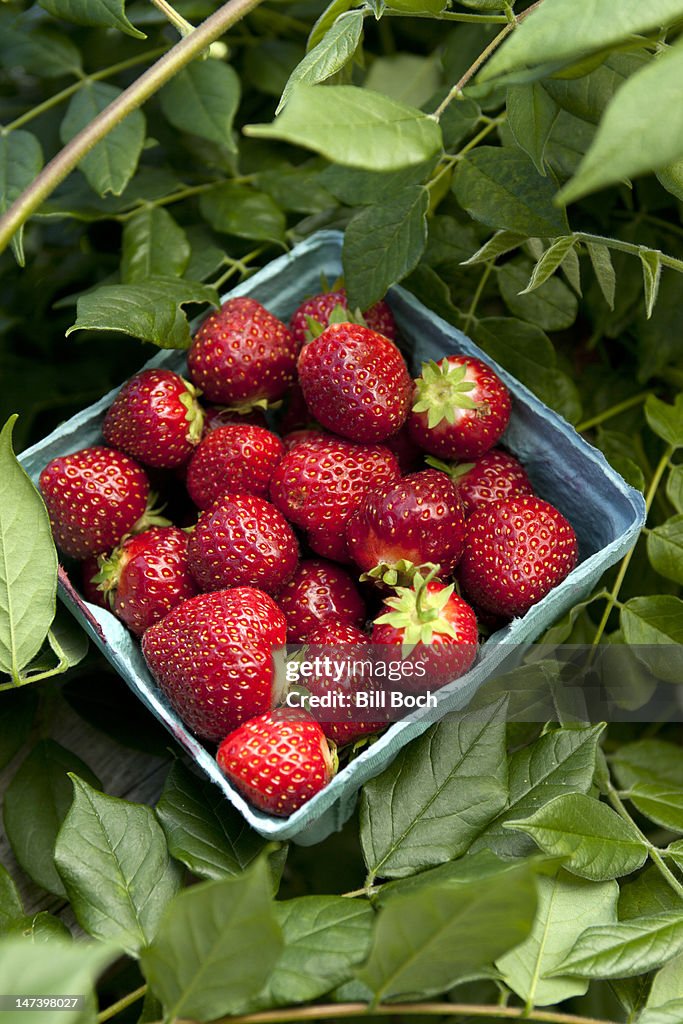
pixel 314 460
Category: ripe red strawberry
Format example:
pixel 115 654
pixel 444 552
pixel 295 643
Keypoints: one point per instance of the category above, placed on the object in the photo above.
pixel 242 540
pixel 237 457
pixel 156 418
pixel 212 658
pixel 146 576
pixel 406 523
pixel 242 355
pixel 355 382
pixel 295 437
pixel 319 308
pixel 294 413
pixel 318 591
pixel 438 625
pixel 319 483
pixel 517 551
pixel 278 760
pixel 461 408
pixel 348 672
pixel 495 476
pixel 93 496
pixel 410 456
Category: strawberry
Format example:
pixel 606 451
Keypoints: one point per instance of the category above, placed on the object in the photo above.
pixel 294 437
pixel 294 413
pixel 155 418
pixel 212 658
pixel 93 496
pixel 318 591
pixel 237 457
pixel 408 453
pixel 319 483
pixel 355 382
pixel 495 476
pixel 242 355
pixel 349 673
pixel 146 576
pixel 242 540
pixel 439 628
pixel 319 309
pixel 278 760
pixel 407 523
pixel 517 551
pixel 460 408
pixel 90 590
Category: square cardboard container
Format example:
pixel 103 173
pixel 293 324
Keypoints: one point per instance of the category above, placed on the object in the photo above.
pixel 605 511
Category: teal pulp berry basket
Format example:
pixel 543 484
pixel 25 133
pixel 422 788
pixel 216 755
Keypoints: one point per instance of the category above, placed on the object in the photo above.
pixel 605 511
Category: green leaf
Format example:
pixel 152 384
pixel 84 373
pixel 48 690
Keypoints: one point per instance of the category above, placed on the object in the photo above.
pixel 629 140
pixel 46 54
pixel 645 896
pixel 327 20
pixel 426 941
pixel 595 841
pixel 667 984
pixel 405 77
pixel 325 937
pixel 654 625
pixel 202 99
pixel 10 903
pixel 561 31
pixel 650 762
pixel 671 178
pixel 334 50
pixel 666 420
pixel 566 907
pixel 559 762
pixel 550 305
pixel 39 928
pixel 21 159
pixel 459 120
pixel 59 967
pixel 383 243
pixel 437 795
pixel 295 188
pixel 625 949
pixel 42 784
pixel 501 188
pixel 367 188
pixel 674 487
pixel 668 1013
pixel 203 830
pixel 153 245
pixel 244 212
pixel 216 946
pixel 497 245
pixel 651 262
pixel 604 270
pixel 18 712
pixel 665 549
pixel 151 310
pixel 354 127
pixel 660 804
pixel 551 259
pixel 531 114
pixel 111 164
pixel 526 351
pixel 587 97
pixel 100 13
pixel 28 564
pixel 113 860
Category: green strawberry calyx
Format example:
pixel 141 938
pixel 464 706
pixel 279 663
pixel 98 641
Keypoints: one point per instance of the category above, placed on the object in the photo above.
pixel 441 391
pixel 400 573
pixel 417 611
pixel 194 414
pixel 150 517
pixel 455 470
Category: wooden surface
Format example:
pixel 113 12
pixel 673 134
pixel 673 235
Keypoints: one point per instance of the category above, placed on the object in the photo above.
pixel 131 774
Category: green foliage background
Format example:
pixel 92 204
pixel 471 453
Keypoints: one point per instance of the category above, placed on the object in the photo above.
pixel 535 204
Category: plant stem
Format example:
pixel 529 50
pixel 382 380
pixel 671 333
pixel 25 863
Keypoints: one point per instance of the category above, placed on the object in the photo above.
pixel 482 58
pixel 649 498
pixel 173 61
pixel 471 19
pixel 613 410
pixel 182 25
pixel 96 76
pixel 469 315
pixel 122 1003
pixel 654 853
pixel 345 1010
pixel 367 890
pixel 629 247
